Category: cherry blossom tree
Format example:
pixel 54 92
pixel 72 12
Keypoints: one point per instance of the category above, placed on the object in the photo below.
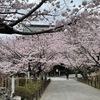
pixel 83 34
pixel 15 12
pixel 78 35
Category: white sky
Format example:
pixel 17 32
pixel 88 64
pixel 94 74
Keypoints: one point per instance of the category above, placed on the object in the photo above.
pixel 76 2
pixel 33 1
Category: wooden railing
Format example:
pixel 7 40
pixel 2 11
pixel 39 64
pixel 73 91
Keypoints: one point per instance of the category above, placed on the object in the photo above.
pixel 6 82
pixel 93 81
pixel 38 93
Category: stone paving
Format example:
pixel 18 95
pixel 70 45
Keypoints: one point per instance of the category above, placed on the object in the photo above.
pixel 62 89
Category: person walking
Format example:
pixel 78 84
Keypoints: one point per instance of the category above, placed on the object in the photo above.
pixel 67 73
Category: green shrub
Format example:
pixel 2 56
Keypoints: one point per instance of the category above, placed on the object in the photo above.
pixel 22 81
pixel 25 93
pixel 33 86
pixel 71 71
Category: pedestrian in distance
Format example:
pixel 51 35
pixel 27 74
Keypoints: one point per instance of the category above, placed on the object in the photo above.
pixel 67 73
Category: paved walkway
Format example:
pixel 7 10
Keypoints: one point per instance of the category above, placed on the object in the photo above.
pixel 63 89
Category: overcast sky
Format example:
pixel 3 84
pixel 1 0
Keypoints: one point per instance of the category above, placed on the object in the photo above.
pixel 70 5
pixel 76 2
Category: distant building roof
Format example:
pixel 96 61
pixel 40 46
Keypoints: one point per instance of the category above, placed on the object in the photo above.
pixel 37 27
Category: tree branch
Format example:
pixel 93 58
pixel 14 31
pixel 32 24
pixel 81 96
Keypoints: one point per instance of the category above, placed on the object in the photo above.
pixel 39 32
pixel 28 14
pixel 5 29
pixel 97 63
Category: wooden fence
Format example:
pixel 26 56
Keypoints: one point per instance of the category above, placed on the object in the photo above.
pixel 19 81
pixel 93 81
pixel 38 93
pixel 6 82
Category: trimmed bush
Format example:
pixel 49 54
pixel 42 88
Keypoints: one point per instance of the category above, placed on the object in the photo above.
pixel 71 71
pixel 25 93
pixel 33 86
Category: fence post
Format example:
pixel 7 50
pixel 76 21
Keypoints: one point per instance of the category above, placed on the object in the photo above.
pixel 91 81
pixel 36 95
pixel 99 84
pixel 33 97
pixel 39 93
pixel 88 81
pixel 99 81
pixel 95 82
